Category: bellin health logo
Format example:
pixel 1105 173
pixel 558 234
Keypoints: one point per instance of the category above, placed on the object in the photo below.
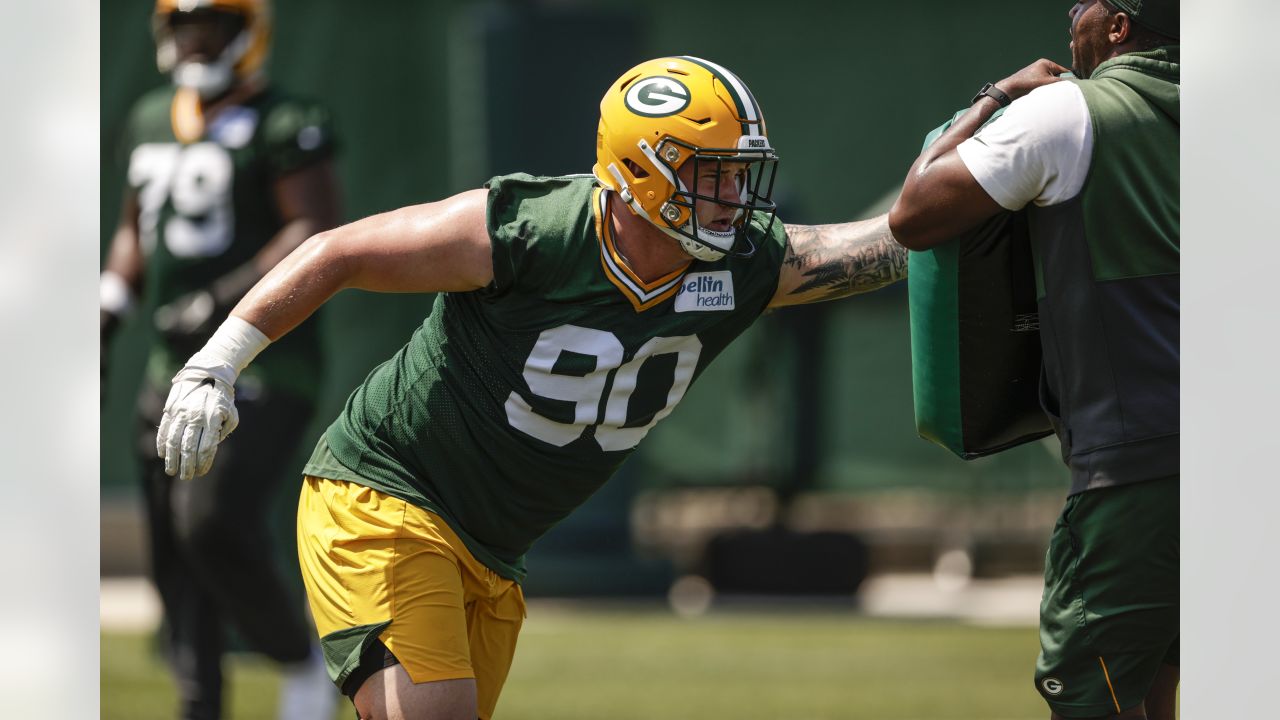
pixel 707 291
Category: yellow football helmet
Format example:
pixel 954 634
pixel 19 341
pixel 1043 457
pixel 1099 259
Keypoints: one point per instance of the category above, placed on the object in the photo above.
pixel 242 58
pixel 667 112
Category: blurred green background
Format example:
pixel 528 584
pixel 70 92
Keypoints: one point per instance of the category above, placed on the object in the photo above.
pixel 432 98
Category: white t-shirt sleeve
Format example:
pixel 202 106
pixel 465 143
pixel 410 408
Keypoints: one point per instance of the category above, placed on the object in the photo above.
pixel 1037 151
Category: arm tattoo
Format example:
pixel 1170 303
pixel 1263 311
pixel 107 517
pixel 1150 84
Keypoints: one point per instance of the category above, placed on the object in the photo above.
pixel 841 260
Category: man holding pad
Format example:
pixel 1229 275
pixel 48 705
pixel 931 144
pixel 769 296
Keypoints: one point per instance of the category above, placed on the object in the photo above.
pixel 1094 159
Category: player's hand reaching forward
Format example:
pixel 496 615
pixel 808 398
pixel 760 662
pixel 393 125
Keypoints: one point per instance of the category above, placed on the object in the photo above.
pixel 200 411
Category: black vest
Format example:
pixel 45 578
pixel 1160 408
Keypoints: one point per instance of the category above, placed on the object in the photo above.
pixel 1107 264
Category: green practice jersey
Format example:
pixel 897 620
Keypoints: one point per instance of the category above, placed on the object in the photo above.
pixel 206 208
pixel 512 404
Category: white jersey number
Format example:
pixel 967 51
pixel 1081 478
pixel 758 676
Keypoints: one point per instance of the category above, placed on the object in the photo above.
pixel 585 392
pixel 197 179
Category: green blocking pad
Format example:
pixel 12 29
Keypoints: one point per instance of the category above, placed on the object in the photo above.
pixel 975 341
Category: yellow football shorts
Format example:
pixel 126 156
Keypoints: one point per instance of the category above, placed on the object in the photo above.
pixel 379 568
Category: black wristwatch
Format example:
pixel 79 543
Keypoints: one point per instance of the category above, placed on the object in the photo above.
pixel 990 90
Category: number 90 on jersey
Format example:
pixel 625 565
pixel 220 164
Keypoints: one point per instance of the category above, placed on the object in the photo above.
pixel 584 392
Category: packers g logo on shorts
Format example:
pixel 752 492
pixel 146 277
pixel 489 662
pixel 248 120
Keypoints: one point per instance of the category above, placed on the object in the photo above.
pixel 657 96
pixel 1052 685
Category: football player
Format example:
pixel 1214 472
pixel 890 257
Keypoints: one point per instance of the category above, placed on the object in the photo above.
pixel 574 312
pixel 226 176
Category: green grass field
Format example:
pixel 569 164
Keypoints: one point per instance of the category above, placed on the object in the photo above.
pixel 583 661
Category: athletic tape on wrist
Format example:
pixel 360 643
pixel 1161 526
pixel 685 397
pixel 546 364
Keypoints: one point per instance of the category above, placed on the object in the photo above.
pixel 236 343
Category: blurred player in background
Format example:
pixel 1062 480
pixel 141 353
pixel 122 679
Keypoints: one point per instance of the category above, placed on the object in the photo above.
pixel 226 176
pixel 1095 160
pixel 574 314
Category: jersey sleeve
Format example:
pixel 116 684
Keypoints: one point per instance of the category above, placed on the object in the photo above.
pixel 532 223
pixel 756 277
pixel 1037 152
pixel 297 134
pixel 509 235
pixel 771 251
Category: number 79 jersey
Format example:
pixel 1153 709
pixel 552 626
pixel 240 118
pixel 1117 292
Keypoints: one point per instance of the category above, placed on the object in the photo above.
pixel 207 207
pixel 512 404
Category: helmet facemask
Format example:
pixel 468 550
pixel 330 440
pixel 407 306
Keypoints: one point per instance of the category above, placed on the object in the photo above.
pixel 240 27
pixel 213 78
pixel 208 78
pixel 679 214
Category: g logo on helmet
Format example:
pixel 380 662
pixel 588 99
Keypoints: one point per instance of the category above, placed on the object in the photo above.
pixel 657 97
pixel 1052 685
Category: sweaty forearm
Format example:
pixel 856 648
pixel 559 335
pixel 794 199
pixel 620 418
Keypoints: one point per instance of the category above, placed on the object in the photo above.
pixel 940 196
pixel 196 314
pixel 962 129
pixel 295 288
pixel 286 240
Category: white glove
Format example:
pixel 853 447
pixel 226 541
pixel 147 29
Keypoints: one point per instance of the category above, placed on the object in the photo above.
pixel 199 414
pixel 200 411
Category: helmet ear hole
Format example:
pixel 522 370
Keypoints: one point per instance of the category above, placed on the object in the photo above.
pixel 636 169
